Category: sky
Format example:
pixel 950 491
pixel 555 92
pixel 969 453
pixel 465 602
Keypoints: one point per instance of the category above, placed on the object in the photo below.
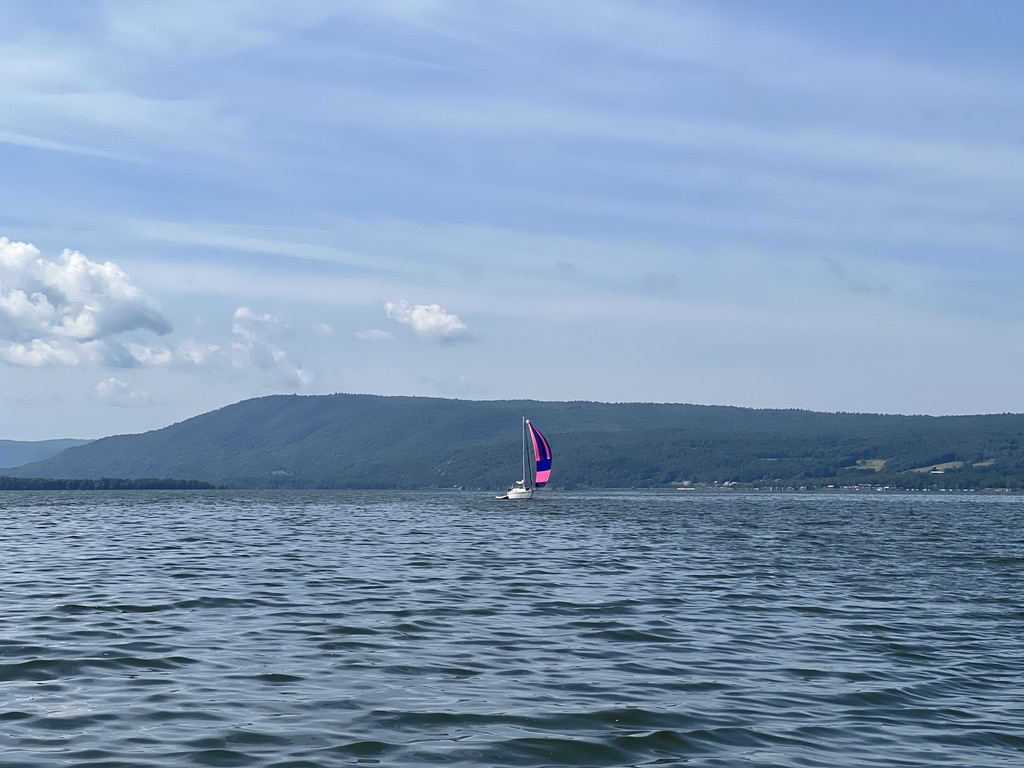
pixel 785 204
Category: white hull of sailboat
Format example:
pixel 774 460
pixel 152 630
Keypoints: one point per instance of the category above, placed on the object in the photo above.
pixel 517 493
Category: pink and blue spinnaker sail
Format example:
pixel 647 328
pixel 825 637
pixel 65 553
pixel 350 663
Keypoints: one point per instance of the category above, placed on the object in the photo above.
pixel 542 452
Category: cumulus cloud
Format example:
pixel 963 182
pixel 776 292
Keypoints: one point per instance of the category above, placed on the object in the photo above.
pixel 116 392
pixel 428 320
pixel 68 310
pixel 197 352
pixel 146 355
pixel 37 353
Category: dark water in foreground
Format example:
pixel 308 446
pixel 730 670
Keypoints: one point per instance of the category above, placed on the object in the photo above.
pixel 329 629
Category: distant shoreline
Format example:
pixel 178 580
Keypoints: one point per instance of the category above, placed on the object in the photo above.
pixel 102 484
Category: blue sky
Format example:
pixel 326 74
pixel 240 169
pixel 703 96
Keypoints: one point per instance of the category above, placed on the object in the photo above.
pixel 786 204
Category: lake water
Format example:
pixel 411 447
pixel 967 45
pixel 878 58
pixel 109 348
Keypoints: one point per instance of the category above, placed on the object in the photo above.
pixel 418 629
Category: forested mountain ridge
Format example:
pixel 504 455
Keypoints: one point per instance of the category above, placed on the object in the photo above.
pixel 14 453
pixel 370 441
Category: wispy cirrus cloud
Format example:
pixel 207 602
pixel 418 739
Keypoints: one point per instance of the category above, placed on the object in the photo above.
pixel 36 142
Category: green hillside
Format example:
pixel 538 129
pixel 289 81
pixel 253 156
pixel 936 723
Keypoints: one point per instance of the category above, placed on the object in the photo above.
pixel 368 441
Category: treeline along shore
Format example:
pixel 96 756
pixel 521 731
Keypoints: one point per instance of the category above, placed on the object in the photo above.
pixel 101 484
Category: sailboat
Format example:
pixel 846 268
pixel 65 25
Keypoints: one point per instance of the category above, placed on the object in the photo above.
pixel 523 489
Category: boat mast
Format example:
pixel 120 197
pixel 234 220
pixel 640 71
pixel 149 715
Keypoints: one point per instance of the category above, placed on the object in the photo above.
pixel 524 451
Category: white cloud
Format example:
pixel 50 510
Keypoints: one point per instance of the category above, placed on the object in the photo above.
pixel 252 328
pixel 145 355
pixel 197 352
pixel 37 353
pixel 429 320
pixel 116 392
pixel 257 342
pixel 68 310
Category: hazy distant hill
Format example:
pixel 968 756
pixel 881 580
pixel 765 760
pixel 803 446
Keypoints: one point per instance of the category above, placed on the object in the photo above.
pixel 353 441
pixel 14 453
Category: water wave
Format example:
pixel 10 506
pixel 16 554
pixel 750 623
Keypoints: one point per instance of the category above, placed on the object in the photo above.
pixel 310 630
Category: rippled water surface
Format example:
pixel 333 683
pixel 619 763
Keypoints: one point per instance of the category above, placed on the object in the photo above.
pixel 624 629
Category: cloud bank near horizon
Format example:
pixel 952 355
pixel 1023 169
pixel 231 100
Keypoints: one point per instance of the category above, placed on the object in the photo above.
pixel 73 311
